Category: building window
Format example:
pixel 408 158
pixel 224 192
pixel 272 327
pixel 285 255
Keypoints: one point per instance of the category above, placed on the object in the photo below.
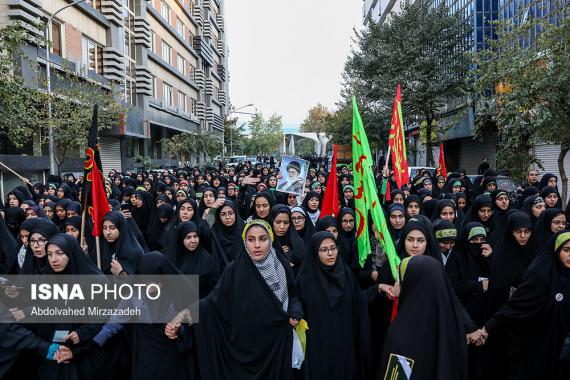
pixel 154 89
pixel 56 38
pixel 193 105
pixel 92 55
pixel 167 94
pixel 152 41
pixel 192 73
pixel 181 64
pixel 165 11
pixel 182 101
pixel 179 27
pixel 166 52
pixel 95 4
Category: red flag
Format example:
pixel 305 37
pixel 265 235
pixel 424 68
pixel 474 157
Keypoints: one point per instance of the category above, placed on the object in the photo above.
pixel 441 169
pixel 93 194
pixel 397 142
pixel 330 200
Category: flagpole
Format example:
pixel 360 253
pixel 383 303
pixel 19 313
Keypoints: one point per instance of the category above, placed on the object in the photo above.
pixel 98 245
pixel 13 172
pixel 83 225
pixel 388 158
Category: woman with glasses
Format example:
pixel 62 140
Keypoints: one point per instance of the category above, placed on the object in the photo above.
pixel 338 339
pixel 347 237
pixel 304 227
pixel 35 261
pixel 226 234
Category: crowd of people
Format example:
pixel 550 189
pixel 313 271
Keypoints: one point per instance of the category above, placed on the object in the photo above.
pixel 482 292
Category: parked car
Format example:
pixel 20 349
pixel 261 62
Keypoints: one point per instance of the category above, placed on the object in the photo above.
pixel 235 161
pixel 413 170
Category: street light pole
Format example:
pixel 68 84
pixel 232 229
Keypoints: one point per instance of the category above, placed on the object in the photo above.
pixel 51 146
pixel 231 130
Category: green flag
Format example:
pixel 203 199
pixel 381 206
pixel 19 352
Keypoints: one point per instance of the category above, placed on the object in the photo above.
pixel 366 197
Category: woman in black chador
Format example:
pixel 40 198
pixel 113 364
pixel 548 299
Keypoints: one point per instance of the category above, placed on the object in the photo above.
pixel 338 339
pixel 429 327
pixel 246 322
pixel 537 316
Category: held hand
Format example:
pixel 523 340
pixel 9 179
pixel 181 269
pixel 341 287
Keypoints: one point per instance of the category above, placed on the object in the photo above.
pixel 171 330
pixel 285 248
pixel 116 267
pixel 11 292
pixel 218 203
pixel 293 322
pixel 84 246
pixel 279 176
pixel 73 336
pixel 25 180
pixel 374 275
pixel 485 284
pixel 396 290
pixel 18 314
pixel 63 355
pixel 486 249
pixel 126 213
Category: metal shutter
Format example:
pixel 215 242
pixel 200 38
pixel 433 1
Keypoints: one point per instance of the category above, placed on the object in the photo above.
pixel 548 155
pixel 473 151
pixel 110 149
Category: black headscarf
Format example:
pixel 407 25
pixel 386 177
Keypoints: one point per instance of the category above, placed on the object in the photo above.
pixel 473 216
pixel 543 229
pixel 33 264
pixel 312 215
pixel 74 206
pixel 509 261
pixel 332 298
pixel 158 230
pixel 347 240
pixel 227 241
pixel 199 262
pixel 465 268
pixel 244 331
pixel 203 207
pixel 537 315
pixel 432 248
pixel 439 332
pixel 74 221
pixel 411 199
pixel 309 228
pixel 527 205
pixel 551 190
pixel 126 248
pixel 8 249
pixel 270 199
pixel 291 239
pixel 544 180
pixel 146 213
pixel 205 232
pixel 394 232
pixel 14 217
pixel 78 262
pixel 326 222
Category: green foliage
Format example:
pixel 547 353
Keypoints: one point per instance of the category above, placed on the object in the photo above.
pixel 423 50
pixel 316 120
pixel 523 91
pixel 265 135
pixel 24 110
pixel 234 136
pixel 20 106
pixel 193 143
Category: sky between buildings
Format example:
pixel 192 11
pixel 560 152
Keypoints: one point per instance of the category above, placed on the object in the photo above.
pixel 285 56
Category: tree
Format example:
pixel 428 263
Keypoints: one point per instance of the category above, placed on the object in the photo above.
pixel 422 49
pixel 234 136
pixel 23 109
pixel 316 120
pixel 523 92
pixel 265 135
pixel 20 106
pixel 193 143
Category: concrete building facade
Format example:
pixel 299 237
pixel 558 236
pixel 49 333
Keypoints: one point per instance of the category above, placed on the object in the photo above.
pixel 168 58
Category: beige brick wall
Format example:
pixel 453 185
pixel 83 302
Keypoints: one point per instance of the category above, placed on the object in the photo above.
pixel 73 43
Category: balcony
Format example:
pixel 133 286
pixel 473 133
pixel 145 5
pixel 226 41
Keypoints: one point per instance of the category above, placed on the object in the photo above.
pixel 204 50
pixel 220 21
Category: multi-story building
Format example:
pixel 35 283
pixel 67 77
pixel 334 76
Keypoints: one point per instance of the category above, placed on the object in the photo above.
pixel 460 147
pixel 167 57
